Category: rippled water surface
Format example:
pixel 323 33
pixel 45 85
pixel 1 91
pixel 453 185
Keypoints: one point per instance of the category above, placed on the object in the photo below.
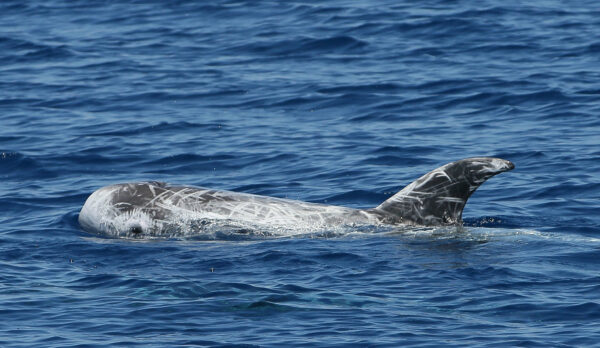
pixel 338 102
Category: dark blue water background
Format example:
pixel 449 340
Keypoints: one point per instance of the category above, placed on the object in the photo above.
pixel 342 102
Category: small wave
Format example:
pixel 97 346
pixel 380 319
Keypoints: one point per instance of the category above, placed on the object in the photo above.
pixel 265 306
pixel 170 96
pixel 441 27
pixel 504 48
pixel 296 101
pixel 25 51
pixel 414 150
pixel 340 256
pixel 306 46
pixel 50 53
pixel 18 166
pixel 391 160
pixel 502 233
pixel 13 44
pixel 338 44
pixel 368 88
pixel 161 127
pixel 187 157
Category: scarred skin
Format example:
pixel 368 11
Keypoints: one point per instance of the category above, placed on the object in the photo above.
pixel 157 208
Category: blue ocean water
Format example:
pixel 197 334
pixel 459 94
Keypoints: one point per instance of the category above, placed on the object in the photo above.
pixel 339 102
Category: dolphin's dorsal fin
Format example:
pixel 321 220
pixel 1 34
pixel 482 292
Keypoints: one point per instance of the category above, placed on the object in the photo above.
pixel 438 197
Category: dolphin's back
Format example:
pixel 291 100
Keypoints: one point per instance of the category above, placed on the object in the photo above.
pixel 154 207
pixel 261 209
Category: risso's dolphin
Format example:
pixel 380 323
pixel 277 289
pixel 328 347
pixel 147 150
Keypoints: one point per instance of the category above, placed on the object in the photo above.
pixel 157 209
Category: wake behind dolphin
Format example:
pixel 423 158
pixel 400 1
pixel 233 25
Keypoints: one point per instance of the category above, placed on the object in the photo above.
pixel 157 209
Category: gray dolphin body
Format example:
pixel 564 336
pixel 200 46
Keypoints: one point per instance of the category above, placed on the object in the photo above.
pixel 159 209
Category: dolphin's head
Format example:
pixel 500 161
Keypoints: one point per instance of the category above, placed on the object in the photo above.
pixel 123 210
